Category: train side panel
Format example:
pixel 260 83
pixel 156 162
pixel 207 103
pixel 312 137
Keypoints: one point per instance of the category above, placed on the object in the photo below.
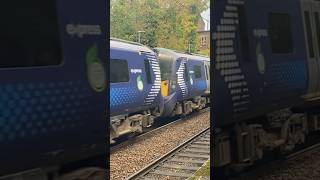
pixel 253 70
pixel 129 97
pixel 52 98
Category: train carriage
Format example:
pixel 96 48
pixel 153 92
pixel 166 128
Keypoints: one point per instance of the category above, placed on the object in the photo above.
pixel 135 98
pixel 185 81
pixel 266 73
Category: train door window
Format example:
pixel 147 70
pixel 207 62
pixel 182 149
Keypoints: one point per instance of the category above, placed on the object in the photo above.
pixel 243 30
pixel 316 14
pixel 186 74
pixel 309 33
pixel 207 72
pixel 119 71
pixel 148 71
pixel 30 36
pixel 197 71
pixel 280 33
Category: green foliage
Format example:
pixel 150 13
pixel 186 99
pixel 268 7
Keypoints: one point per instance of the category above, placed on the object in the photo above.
pixel 204 171
pixel 167 23
pixel 205 52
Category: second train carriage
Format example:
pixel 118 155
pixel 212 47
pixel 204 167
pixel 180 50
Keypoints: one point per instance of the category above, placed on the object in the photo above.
pixel 185 81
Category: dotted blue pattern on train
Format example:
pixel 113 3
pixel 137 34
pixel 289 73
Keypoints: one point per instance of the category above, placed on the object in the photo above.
pixel 287 76
pixel 120 96
pixel 32 109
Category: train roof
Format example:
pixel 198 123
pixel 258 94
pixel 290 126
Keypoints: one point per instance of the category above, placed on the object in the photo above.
pixel 177 54
pixel 128 45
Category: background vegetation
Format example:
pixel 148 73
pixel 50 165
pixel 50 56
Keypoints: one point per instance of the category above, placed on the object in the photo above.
pixel 167 23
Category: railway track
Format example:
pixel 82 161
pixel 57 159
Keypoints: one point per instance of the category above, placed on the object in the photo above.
pixel 150 131
pixel 180 163
pixel 304 151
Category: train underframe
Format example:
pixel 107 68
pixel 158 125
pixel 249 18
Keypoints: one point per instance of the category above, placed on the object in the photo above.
pixel 188 106
pixel 136 123
pixel 248 141
pixel 132 123
pixel 52 173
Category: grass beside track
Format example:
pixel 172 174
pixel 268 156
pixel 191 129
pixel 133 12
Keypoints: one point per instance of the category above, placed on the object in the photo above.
pixel 203 172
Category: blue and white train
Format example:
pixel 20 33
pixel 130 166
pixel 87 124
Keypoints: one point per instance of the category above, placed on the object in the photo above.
pixel 267 77
pixel 146 84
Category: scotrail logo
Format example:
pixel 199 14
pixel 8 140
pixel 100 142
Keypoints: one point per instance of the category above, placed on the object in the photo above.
pixel 82 30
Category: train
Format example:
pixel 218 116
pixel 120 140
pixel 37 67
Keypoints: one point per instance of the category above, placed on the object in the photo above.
pixel 149 83
pixel 266 78
pixel 53 87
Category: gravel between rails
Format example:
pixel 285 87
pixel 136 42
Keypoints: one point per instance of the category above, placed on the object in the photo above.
pixel 134 157
pixel 301 168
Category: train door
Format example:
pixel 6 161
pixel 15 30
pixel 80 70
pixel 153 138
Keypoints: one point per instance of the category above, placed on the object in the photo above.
pixel 148 70
pixel 189 79
pixel 207 74
pixel 311 21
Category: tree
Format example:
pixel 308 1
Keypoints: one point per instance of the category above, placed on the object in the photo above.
pixel 167 23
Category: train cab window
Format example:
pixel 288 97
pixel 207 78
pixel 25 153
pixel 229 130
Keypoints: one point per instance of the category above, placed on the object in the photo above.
pixel 317 19
pixel 119 71
pixel 166 68
pixel 29 34
pixel 309 33
pixel 280 33
pixel 147 70
pixel 197 71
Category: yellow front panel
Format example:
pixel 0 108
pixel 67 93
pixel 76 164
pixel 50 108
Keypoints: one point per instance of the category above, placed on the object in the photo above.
pixel 164 88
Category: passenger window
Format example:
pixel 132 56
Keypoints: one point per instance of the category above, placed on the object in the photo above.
pixel 316 14
pixel 119 71
pixel 197 71
pixel 30 37
pixel 280 33
pixel 309 33
pixel 147 69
